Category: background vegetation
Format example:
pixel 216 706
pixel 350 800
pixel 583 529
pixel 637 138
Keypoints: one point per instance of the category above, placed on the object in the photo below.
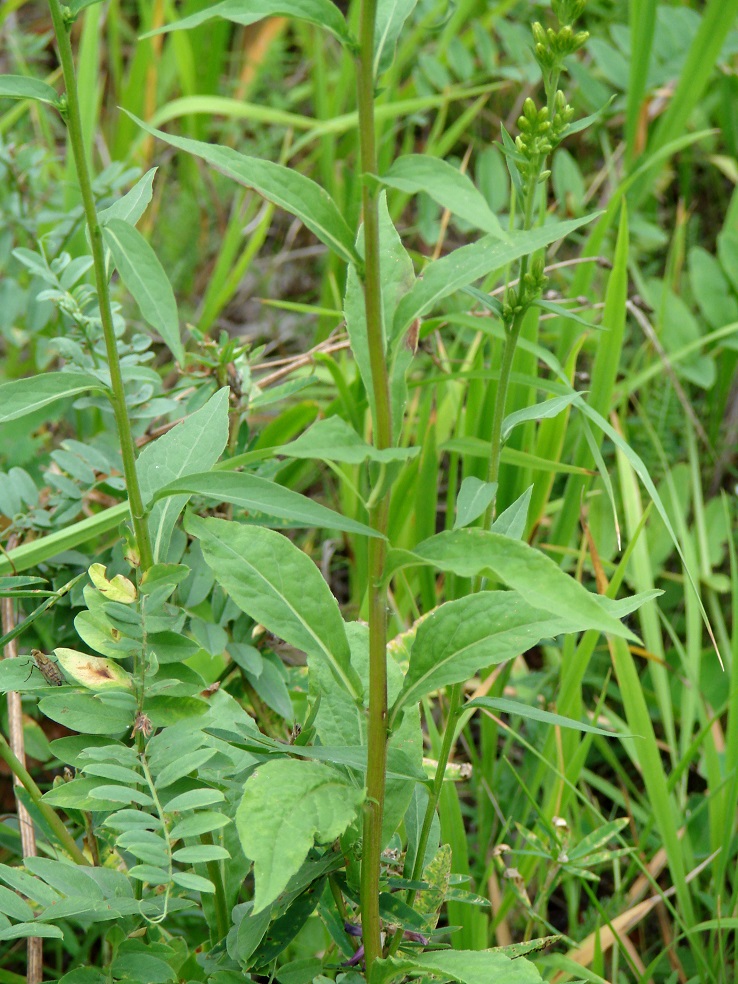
pixel 621 848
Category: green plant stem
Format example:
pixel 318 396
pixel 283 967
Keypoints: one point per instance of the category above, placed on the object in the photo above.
pixel 215 874
pixel 512 335
pixel 379 513
pixel 47 812
pixel 117 391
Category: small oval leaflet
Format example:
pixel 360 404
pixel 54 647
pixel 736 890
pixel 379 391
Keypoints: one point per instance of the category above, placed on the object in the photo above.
pixel 49 670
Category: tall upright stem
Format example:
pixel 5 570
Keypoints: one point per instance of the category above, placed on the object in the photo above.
pixel 382 428
pixel 117 392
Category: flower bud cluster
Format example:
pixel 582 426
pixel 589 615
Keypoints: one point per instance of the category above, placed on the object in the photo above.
pixel 534 140
pixel 552 47
pixel 531 286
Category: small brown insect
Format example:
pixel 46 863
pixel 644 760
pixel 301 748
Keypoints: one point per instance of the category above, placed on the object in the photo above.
pixel 49 670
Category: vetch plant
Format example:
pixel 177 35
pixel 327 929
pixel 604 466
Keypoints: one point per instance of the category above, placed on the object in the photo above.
pixel 202 840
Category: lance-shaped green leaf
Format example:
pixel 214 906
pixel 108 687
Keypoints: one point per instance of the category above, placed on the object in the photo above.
pixel 131 206
pixel 335 440
pixel 470 263
pixel 144 276
pixel 512 521
pixel 23 396
pixel 192 446
pixel 460 637
pixel 464 966
pixel 324 13
pixel 262 496
pixel 535 576
pixel 274 582
pixel 289 189
pixel 287 807
pixel 539 411
pixel 21 87
pixel 473 498
pixel 391 15
pixel 446 185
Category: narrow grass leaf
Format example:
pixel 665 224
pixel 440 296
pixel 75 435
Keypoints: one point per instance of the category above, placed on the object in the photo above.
pixel 446 185
pixel 289 189
pixel 22 87
pixel 261 496
pixel 144 276
pixel 324 13
pixel 515 708
pixel 272 580
pixel 718 18
pixel 278 839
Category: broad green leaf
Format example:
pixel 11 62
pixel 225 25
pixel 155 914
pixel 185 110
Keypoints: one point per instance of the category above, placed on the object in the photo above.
pixel 78 794
pixel 19 931
pixel 465 966
pixel 512 521
pixel 88 714
pixel 460 637
pixel 324 13
pixel 259 495
pixel 390 17
pixel 198 823
pixel 515 707
pixel 144 276
pixel 182 766
pixel 23 396
pixel 446 185
pixel 21 87
pixel 540 411
pixel 289 189
pixel 198 853
pixel 473 498
pixel 277 838
pixel 335 440
pixel 469 263
pixel 539 580
pixel 193 799
pixel 194 445
pixel 274 582
pixel 193 882
pixel 11 904
pixel 33 888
